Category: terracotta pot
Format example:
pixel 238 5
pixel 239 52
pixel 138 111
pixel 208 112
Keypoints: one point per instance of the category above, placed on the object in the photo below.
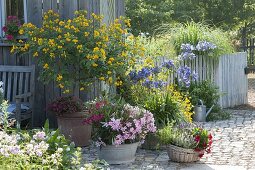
pixel 124 153
pixel 72 127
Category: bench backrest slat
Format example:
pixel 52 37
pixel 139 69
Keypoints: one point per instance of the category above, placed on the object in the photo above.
pixel 17 80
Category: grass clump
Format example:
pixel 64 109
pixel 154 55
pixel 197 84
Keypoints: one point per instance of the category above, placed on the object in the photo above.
pixel 193 32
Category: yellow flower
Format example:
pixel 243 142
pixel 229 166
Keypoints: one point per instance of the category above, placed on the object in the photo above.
pixel 96 33
pixel 35 54
pixel 21 31
pixel 46 66
pixel 103 52
pixel 96 49
pixel 127 22
pixel 60 47
pixel 94 65
pixel 111 59
pixel 95 57
pixel 109 62
pixel 52 55
pixel 59 77
pixel 13 49
pixel 110 80
pixel 68 39
pixel 101 78
pixel 75 41
pixel 86 34
pixel 109 72
pixel 118 83
pixel 79 47
pixel 40 41
pixel 82 88
pixel 61 86
pixel 59 36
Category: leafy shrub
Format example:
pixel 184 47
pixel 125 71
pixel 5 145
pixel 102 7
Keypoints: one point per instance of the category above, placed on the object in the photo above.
pixel 166 104
pixel 206 91
pixel 67 104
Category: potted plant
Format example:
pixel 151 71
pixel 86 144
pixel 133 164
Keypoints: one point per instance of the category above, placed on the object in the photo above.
pixel 70 113
pixel 11 29
pixel 119 128
pixel 185 142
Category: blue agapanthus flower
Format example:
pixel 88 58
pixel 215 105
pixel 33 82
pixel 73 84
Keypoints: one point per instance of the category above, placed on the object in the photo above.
pixel 187 52
pixel 156 70
pixel 168 64
pixel 185 75
pixel 187 47
pixel 205 46
pixel 154 84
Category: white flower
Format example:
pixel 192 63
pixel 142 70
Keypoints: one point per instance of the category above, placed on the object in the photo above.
pixel 60 150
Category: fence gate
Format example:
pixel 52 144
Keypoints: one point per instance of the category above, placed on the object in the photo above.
pixel 248 45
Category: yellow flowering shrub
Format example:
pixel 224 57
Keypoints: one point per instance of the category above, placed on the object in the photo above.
pixel 80 49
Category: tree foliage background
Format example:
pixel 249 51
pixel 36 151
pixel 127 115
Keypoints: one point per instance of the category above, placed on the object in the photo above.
pixel 230 15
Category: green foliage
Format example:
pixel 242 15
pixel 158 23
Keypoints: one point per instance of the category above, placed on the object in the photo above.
pixel 206 91
pixel 193 32
pixel 166 104
pixel 147 15
pixel 178 137
pixel 218 113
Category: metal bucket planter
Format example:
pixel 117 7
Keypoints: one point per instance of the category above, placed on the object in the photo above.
pixel 124 153
pixel 178 154
pixel 72 127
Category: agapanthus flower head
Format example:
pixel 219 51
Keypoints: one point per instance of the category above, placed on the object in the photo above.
pixel 156 70
pixel 187 47
pixel 205 46
pixel 168 64
pixel 185 75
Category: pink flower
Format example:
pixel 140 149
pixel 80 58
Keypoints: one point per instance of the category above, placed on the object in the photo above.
pixel 197 138
pixel 9 37
pixel 100 104
pixel 5 29
pixel 115 124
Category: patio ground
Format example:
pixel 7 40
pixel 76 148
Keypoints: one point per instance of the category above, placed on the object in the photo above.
pixel 233 144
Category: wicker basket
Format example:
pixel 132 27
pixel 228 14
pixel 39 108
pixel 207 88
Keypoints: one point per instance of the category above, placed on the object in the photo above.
pixel 178 154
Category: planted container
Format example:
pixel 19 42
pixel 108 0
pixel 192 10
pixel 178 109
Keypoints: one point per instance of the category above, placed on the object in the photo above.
pixel 178 154
pixel 72 127
pixel 124 153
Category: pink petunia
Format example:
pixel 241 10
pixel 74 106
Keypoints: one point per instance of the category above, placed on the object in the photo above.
pixel 9 37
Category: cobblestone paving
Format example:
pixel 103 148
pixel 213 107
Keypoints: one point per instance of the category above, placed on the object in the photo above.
pixel 234 144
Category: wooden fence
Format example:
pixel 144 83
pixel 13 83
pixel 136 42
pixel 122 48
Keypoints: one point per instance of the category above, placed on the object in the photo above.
pixel 111 9
pixel 232 80
pixel 228 73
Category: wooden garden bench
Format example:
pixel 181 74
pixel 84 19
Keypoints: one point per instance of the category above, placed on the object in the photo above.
pixel 19 90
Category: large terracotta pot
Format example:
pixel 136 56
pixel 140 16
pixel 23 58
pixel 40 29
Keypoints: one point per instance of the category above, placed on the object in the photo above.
pixel 124 153
pixel 72 127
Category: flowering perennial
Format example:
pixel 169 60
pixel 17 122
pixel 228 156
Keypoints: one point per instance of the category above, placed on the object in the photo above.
pixel 79 50
pixel 118 123
pixel 11 29
pixel 39 150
